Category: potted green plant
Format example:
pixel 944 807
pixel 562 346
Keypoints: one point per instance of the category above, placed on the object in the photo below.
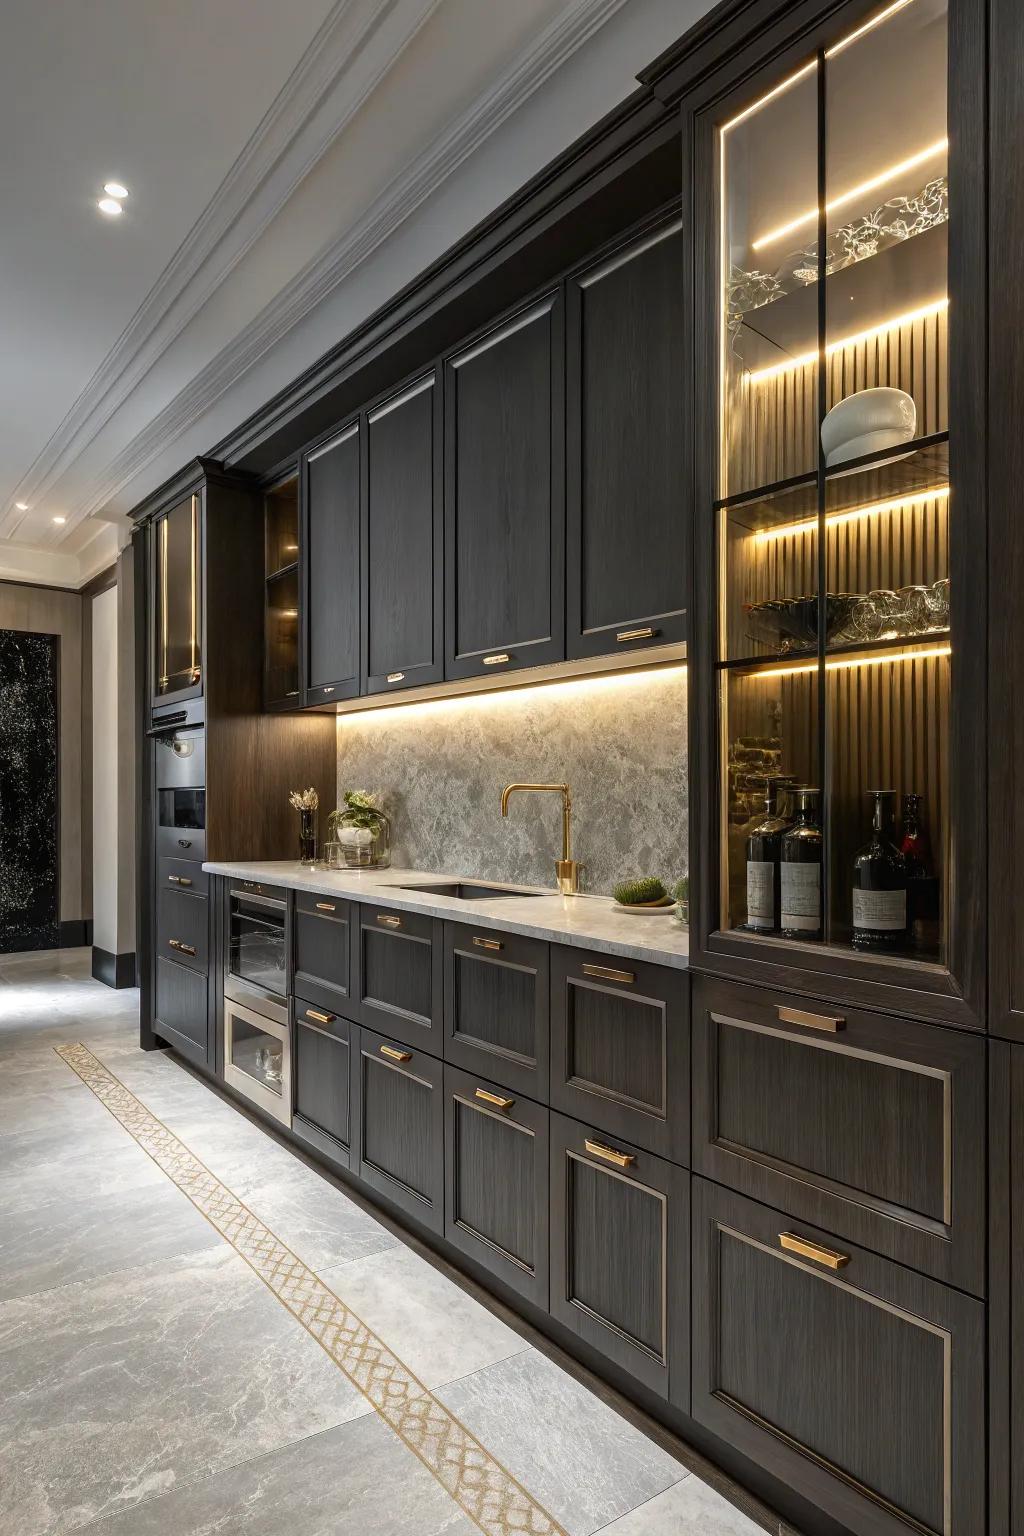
pixel 360 832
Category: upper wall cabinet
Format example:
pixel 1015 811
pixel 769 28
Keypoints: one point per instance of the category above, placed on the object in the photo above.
pixel 505 496
pixel 402 573
pixel 330 568
pixel 281 688
pixel 176 642
pixel 626 561
pixel 839 643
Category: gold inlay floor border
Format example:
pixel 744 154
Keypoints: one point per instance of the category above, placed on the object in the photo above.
pixel 475 1480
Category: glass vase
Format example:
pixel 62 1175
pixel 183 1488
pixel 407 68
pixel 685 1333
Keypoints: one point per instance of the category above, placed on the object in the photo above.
pixel 307 837
pixel 362 846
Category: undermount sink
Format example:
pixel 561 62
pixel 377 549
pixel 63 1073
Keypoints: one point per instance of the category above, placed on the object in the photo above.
pixel 462 891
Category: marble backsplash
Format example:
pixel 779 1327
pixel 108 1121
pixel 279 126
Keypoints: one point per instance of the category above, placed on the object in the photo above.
pixel 619 742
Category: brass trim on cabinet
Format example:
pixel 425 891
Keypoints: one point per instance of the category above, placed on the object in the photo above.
pixel 326 906
pixel 493 1098
pixel 830 1257
pixel 497 659
pixel 830 1022
pixel 487 943
pixel 389 920
pixel 320 1018
pixel 646 633
pixel 609 1154
pixel 393 1055
pixel 605 973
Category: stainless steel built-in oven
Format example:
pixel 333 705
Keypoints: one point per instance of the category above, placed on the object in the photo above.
pixel 257 1043
pixel 257 1058
pixel 258 940
pixel 180 792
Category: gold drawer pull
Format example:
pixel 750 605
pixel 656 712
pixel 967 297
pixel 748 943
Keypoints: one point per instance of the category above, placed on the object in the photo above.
pixel 389 920
pixel 494 1098
pixel 831 1023
pixel 827 1256
pixel 646 633
pixel 395 677
pixel 330 689
pixel 325 906
pixel 606 974
pixel 318 1017
pixel 497 659
pixel 393 1055
pixel 178 880
pixel 185 949
pixel 609 1154
pixel 487 943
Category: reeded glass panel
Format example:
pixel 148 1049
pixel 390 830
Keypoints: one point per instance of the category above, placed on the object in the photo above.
pixel 178 600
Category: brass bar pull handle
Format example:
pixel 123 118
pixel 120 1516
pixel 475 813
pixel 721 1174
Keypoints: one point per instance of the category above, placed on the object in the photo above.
pixel 646 633
pixel 487 943
pixel 318 1017
pixel 826 1256
pixel 393 1055
pixel 326 906
pixel 497 659
pixel 607 974
pixel 609 1154
pixel 494 1098
pixel 389 920
pixel 178 880
pixel 395 677
pixel 830 1023
pixel 185 949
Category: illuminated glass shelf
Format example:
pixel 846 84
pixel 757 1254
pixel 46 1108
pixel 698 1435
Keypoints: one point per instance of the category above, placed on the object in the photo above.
pixel 899 471
pixel 925 646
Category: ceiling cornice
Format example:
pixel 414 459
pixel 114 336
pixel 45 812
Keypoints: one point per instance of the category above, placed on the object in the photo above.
pixel 545 54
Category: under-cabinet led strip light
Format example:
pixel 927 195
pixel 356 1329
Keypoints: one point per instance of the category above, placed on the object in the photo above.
pixel 835 519
pixel 847 663
pixel 936 307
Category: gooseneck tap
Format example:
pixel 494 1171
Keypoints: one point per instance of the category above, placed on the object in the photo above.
pixel 567 871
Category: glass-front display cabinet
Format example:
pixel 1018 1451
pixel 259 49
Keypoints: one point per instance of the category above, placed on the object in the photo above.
pixel 177 604
pixel 281 590
pixel 836 531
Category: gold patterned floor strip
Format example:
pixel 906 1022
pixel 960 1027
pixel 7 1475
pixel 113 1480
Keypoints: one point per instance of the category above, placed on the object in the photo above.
pixel 479 1484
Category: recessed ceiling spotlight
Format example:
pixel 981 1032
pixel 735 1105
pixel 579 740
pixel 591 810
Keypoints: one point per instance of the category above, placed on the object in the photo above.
pixel 60 521
pixel 22 506
pixel 115 189
pixel 110 206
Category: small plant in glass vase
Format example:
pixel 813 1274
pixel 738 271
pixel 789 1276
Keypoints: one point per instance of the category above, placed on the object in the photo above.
pixel 359 832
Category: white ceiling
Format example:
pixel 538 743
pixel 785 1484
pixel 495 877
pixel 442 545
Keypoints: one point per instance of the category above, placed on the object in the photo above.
pixel 270 151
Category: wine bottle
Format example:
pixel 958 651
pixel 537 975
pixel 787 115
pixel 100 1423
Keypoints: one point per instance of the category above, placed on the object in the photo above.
pixel 800 870
pixel 922 884
pixel 764 843
pixel 880 882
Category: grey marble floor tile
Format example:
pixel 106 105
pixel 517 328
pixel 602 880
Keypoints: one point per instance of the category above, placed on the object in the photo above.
pixel 47 1164
pixel 313 1218
pixel 359 1480
pixel 430 1323
pixel 689 1508
pixel 584 1463
pixel 117 1388
pixel 69 1240
pixel 45 1103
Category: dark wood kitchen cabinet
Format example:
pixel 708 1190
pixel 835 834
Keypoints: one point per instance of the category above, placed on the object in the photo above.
pixel 399 975
pixel 282 687
pixel 322 1080
pixel 857 1382
pixel 181 1014
pixel 505 496
pixel 330 567
pixel 398 1125
pixel 322 950
pixel 1006 1296
pixel 496 1006
pixel 402 521
pixel 626 545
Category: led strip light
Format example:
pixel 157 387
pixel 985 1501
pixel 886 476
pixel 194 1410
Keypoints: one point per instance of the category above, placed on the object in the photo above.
pixel 932 654
pixel 872 509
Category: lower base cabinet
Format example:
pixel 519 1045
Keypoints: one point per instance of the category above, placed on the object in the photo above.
pixel 322 1081
pixel 620 1254
pixel 398 1125
pixel 496 1181
pixel 181 1011
pixel 857 1382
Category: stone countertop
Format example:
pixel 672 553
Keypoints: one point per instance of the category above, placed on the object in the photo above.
pixel 588 922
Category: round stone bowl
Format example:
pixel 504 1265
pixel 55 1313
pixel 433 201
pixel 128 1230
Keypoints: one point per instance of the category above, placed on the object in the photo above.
pixel 868 422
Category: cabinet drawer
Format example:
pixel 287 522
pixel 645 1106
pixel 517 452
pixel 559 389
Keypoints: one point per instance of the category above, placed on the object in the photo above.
pixel 322 1081
pixel 182 928
pixel 399 970
pixel 183 875
pixel 322 949
pixel 181 843
pixel 181 1011
pixel 496 1181
pixel 861 1386
pixel 398 1126
pixel 620 1048
pixel 620 1264
pixel 863 1123
pixel 496 1006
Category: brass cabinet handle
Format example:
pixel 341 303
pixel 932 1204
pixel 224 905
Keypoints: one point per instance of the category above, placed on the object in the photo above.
pixel 393 1055
pixel 389 920
pixel 185 949
pixel 487 943
pixel 318 1017
pixel 497 659
pixel 494 1098
pixel 829 1022
pixel 646 633
pixel 178 880
pixel 395 677
pixel 325 906
pixel 827 1256
pixel 328 690
pixel 609 1154
pixel 606 974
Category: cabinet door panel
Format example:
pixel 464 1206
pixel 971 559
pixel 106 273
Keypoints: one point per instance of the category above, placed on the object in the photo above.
pixel 400 975
pixel 625 550
pixel 1006 1297
pixel 182 928
pixel 861 1385
pixel 321 1082
pixel 181 1011
pixel 398 1119
pixel 620 1254
pixel 330 559
pixel 496 1181
pixel 403 620
pixel 321 949
pixel 496 1006
pixel 505 497
pixel 870 1126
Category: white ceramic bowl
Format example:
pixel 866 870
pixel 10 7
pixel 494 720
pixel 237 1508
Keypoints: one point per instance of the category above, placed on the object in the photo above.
pixel 868 422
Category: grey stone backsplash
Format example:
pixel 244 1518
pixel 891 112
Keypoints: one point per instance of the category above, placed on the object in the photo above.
pixel 620 743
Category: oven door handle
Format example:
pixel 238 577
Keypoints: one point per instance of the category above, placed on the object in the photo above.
pixel 271 903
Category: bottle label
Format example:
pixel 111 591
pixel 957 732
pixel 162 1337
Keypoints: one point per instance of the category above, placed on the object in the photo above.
pixel 801 897
pixel 760 893
pixel 880 911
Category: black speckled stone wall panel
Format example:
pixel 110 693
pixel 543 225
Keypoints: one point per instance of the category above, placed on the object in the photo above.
pixel 29 677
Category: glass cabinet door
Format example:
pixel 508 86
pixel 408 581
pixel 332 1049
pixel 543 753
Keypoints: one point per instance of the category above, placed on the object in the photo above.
pixel 177 603
pixel 281 595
